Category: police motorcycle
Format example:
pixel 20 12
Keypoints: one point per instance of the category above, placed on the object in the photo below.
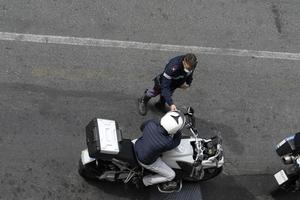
pixel 289 151
pixel 110 157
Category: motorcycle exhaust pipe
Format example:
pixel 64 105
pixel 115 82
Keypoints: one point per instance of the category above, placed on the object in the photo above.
pixel 109 175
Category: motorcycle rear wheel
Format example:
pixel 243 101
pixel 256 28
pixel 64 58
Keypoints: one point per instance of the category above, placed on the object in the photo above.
pixel 87 171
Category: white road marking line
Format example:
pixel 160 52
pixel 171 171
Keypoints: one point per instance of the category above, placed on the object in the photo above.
pixel 52 39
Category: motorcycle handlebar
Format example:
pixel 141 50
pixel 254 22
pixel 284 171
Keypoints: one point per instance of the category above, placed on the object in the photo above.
pixel 187 110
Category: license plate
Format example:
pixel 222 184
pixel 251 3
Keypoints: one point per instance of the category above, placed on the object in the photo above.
pixel 281 177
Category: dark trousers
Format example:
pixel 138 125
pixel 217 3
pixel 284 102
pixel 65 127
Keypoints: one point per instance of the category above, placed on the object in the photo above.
pixel 156 90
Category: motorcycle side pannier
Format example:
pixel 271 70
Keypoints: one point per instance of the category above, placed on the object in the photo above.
pixel 102 138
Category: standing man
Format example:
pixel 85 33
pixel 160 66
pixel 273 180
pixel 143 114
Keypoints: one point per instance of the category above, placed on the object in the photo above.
pixel 178 73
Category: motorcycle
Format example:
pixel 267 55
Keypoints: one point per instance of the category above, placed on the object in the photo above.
pixel 289 151
pixel 112 158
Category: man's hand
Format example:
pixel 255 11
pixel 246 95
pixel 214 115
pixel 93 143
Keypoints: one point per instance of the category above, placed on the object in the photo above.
pixel 173 107
pixel 184 86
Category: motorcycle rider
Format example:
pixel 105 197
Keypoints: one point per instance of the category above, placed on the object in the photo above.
pixel 178 73
pixel 157 138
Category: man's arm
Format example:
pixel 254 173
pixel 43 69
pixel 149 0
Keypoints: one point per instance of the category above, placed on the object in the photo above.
pixel 170 71
pixel 166 89
pixel 189 79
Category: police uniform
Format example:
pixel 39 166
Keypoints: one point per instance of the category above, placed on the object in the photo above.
pixel 172 77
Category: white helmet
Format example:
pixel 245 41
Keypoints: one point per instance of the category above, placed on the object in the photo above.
pixel 173 121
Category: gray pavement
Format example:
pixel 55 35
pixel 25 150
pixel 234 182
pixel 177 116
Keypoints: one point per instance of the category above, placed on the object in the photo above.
pixel 49 92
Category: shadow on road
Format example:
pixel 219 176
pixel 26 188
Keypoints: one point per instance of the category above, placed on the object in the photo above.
pixel 190 191
pixel 224 188
pixel 121 190
pixel 280 194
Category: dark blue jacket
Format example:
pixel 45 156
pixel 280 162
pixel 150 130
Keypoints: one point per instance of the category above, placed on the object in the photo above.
pixel 173 77
pixel 154 141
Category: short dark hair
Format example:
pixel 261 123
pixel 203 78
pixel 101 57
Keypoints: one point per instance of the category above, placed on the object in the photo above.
pixel 191 59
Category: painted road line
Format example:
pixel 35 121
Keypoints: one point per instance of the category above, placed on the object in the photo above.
pixel 52 39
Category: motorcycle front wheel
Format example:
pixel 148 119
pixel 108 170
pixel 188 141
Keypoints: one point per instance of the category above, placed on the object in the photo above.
pixel 211 173
pixel 208 174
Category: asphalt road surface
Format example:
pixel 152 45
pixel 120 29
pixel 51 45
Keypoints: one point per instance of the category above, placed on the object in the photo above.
pixel 50 91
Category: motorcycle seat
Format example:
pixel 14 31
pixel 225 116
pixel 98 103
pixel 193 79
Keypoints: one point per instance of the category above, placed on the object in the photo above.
pixel 127 153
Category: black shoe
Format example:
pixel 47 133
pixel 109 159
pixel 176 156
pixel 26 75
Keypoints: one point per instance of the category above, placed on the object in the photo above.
pixel 142 103
pixel 169 187
pixel 142 106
